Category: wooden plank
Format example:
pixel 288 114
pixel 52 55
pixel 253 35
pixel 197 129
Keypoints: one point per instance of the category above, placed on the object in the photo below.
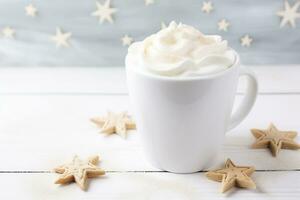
pixel 63 80
pixel 46 130
pixel 150 186
pixel 91 80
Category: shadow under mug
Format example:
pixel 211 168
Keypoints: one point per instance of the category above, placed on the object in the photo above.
pixel 182 121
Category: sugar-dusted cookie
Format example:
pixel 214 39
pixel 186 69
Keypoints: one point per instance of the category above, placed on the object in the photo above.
pixel 117 123
pixel 274 139
pixel 232 175
pixel 79 171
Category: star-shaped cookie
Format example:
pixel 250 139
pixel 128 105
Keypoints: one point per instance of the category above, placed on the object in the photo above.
pixel 104 12
pixel 223 25
pixel 31 10
pixel 117 123
pixel 274 139
pixel 60 38
pixel 149 2
pixel 246 41
pixel 126 40
pixel 8 32
pixel 79 171
pixel 207 6
pixel 289 14
pixel 232 175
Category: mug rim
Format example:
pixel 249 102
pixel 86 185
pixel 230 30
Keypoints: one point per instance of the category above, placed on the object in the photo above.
pixel 187 78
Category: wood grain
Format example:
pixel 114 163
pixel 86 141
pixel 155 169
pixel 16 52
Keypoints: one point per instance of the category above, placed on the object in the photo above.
pixel 112 80
pixel 47 130
pixel 44 121
pixel 148 186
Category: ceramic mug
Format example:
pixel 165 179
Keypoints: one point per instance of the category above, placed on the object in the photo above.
pixel 182 121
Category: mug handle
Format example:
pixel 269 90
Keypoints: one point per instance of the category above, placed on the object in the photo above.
pixel 248 100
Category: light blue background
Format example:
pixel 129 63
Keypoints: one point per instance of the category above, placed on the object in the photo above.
pixel 95 44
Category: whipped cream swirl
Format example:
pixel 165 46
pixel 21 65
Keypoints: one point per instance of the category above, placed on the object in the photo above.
pixel 180 50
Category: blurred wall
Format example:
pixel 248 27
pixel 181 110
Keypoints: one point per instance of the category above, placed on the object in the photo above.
pixel 95 44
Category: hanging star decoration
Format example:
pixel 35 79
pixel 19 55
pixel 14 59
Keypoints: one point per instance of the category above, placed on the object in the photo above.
pixel 126 40
pixel 207 7
pixel 274 139
pixel 233 175
pixel 149 2
pixel 61 39
pixel 8 32
pixel 163 25
pixel 223 25
pixel 246 41
pixel 31 10
pixel 289 14
pixel 115 123
pixel 104 12
pixel 79 171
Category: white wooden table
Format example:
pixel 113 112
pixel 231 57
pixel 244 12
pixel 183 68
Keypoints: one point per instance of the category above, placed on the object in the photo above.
pixel 44 121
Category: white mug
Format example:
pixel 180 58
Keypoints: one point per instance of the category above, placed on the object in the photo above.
pixel 182 121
